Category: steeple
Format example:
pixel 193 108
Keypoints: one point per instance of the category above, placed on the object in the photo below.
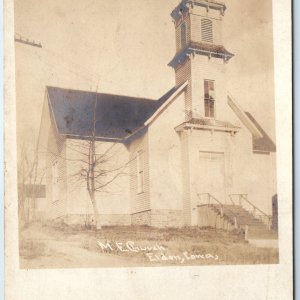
pixel 201 56
pixel 198 26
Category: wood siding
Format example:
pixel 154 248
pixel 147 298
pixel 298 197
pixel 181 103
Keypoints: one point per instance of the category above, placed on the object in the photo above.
pixel 55 151
pixel 182 74
pixel 185 163
pixel 197 29
pixel 185 19
pixel 139 201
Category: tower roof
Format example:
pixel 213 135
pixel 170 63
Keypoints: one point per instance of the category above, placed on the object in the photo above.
pixel 184 4
pixel 212 50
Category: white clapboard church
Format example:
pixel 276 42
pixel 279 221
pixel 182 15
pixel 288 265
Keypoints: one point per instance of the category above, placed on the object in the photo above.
pixel 194 157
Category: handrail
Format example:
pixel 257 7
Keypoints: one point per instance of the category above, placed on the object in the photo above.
pixel 210 196
pixel 231 199
pixel 255 208
pixel 221 204
pixel 244 196
pixel 241 197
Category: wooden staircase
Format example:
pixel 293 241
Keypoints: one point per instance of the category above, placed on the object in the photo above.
pixel 253 223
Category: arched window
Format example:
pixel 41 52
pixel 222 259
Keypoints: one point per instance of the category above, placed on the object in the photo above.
pixel 207 30
pixel 183 37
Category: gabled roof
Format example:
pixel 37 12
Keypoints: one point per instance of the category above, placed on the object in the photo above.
pixel 116 117
pixel 260 140
pixel 264 143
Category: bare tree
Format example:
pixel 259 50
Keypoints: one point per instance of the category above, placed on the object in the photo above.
pixel 94 164
pixel 29 181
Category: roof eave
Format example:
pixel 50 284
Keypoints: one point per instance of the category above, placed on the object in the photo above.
pixel 172 97
pixel 184 6
pixel 187 125
pixel 97 138
pixel 183 55
pixel 243 117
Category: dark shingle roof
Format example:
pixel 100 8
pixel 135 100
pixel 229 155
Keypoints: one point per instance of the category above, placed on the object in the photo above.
pixel 218 50
pixel 116 116
pixel 263 144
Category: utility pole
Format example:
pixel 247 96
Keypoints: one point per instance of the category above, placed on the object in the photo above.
pixel 23 40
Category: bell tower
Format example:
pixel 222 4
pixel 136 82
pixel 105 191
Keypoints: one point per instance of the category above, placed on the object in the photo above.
pixel 201 58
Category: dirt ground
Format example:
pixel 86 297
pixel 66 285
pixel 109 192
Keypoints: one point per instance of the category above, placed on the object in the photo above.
pixel 45 246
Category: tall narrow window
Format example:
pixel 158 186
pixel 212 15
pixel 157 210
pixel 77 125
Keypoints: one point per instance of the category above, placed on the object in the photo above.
pixel 209 98
pixel 55 191
pixel 140 172
pixel 183 37
pixel 55 172
pixel 206 30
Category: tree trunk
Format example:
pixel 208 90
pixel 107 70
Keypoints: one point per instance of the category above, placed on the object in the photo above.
pixel 96 212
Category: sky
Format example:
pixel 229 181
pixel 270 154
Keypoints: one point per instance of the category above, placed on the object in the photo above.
pixel 123 47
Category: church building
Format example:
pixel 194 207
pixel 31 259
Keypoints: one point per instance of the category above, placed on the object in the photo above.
pixel 194 157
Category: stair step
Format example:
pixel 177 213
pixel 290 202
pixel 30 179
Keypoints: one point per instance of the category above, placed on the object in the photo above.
pixel 263 236
pixel 261 230
pixel 256 228
pixel 264 243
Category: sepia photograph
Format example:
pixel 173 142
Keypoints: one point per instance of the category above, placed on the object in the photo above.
pixel 145 133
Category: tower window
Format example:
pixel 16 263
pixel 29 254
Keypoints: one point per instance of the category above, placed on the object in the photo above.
pixel 209 98
pixel 140 172
pixel 207 30
pixel 183 37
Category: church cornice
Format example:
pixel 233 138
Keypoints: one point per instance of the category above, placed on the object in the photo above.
pixel 209 50
pixel 207 124
pixel 187 5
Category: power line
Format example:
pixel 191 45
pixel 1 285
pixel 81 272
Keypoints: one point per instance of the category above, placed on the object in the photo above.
pixel 20 39
pixel 70 67
pixel 52 58
pixel 66 63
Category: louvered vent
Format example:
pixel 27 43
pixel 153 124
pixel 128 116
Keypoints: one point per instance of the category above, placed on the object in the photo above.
pixel 206 30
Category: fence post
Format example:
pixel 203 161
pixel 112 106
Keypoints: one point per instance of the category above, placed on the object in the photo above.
pixel 235 223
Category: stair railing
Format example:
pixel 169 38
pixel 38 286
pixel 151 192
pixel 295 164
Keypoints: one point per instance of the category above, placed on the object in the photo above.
pixel 210 199
pixel 250 207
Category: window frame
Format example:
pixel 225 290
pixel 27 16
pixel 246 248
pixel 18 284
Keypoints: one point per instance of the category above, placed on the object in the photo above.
pixel 55 181
pixel 55 172
pixel 209 102
pixel 183 25
pixel 207 31
pixel 140 172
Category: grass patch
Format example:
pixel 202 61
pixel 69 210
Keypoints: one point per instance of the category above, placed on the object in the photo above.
pixel 228 247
